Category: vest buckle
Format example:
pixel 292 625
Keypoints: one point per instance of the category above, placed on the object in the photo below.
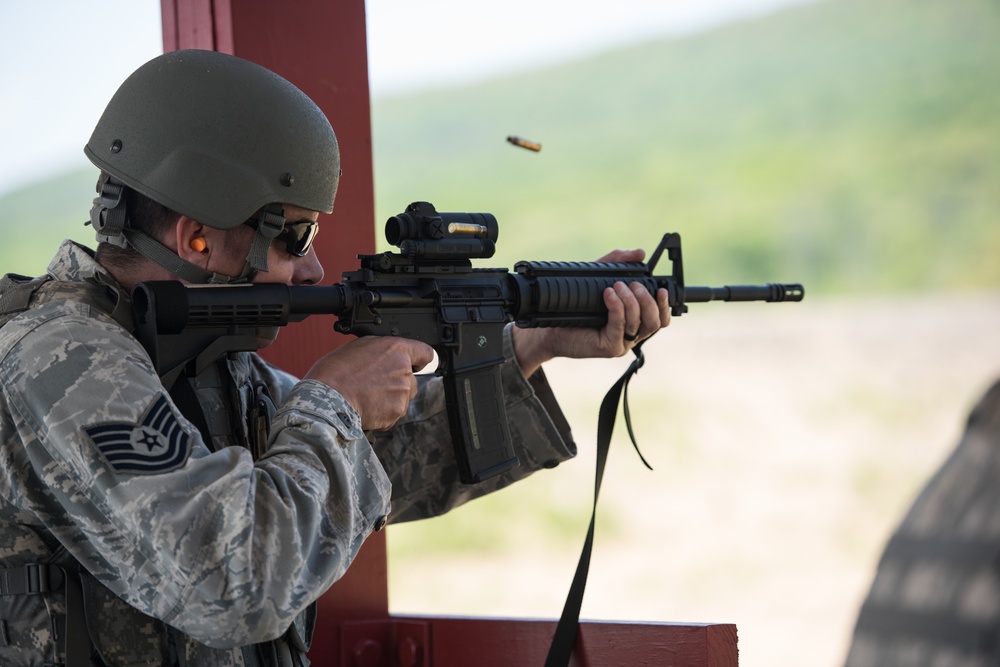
pixel 36 578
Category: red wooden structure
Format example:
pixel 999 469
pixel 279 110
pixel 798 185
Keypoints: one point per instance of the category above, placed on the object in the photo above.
pixel 320 46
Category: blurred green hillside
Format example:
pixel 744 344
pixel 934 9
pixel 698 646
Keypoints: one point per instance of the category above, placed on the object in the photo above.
pixel 849 144
pixel 36 218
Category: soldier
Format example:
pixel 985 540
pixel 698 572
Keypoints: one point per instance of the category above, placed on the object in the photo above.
pixel 198 526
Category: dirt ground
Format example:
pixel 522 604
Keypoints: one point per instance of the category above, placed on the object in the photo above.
pixel 786 441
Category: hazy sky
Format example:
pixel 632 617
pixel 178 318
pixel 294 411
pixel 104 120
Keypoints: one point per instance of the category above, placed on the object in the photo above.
pixel 63 59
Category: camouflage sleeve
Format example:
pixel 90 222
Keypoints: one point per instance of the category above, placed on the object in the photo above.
pixel 226 550
pixel 418 454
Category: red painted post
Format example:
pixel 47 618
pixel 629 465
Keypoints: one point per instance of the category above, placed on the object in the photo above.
pixel 321 47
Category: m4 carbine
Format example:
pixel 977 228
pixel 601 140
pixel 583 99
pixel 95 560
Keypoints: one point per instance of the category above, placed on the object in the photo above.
pixel 430 292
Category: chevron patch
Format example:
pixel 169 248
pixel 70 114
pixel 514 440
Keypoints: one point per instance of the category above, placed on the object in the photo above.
pixel 157 444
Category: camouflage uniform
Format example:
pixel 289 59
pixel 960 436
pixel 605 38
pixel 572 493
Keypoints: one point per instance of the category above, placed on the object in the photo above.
pixel 190 548
pixel 935 599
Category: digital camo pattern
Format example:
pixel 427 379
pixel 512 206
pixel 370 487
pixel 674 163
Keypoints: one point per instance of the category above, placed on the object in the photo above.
pixel 225 550
pixel 122 635
pixel 935 599
pixel 222 549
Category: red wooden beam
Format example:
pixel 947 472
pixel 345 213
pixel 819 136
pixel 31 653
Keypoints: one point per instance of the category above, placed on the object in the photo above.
pixel 459 642
pixel 321 47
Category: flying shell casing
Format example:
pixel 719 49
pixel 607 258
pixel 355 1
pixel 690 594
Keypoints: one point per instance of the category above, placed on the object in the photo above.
pixel 525 143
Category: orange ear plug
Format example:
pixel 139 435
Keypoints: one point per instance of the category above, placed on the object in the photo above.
pixel 198 244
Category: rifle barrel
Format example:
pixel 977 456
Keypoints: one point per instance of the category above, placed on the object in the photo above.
pixel 769 292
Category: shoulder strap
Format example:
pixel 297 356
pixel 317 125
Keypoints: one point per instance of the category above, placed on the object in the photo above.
pixel 46 579
pixel 16 292
pixel 186 400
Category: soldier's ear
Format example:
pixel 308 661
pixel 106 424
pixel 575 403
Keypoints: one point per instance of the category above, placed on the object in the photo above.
pixel 190 240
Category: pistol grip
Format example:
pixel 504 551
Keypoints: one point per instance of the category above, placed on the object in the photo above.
pixel 478 421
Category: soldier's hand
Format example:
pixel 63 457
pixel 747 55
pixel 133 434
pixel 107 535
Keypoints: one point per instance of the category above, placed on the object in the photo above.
pixel 633 315
pixel 375 375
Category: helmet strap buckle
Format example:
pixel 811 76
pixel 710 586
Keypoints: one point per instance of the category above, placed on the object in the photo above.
pixel 108 214
pixel 270 222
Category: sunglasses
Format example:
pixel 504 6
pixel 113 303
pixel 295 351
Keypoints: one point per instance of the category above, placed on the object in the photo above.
pixel 298 236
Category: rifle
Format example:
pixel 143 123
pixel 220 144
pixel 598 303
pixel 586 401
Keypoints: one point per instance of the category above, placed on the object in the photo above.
pixel 430 292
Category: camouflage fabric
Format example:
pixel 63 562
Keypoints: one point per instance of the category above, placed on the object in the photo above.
pixel 935 599
pixel 191 538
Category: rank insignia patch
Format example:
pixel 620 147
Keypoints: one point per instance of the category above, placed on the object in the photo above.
pixel 156 444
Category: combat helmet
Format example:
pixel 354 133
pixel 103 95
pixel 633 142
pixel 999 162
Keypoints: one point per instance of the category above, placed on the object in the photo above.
pixel 218 139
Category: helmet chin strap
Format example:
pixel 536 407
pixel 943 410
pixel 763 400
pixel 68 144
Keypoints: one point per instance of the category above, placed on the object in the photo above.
pixel 183 269
pixel 110 220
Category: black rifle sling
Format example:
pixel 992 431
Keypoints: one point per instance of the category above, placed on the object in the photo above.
pixel 186 400
pixel 564 639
